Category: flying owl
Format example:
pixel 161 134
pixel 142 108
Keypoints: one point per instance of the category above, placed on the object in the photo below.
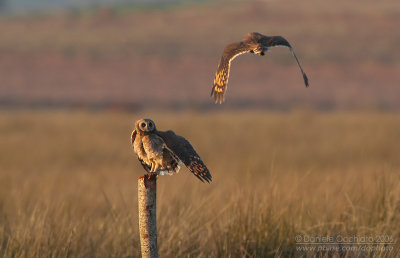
pixel 255 43
pixel 163 152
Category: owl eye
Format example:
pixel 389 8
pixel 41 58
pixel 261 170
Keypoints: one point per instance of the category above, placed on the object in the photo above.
pixel 143 125
pixel 150 125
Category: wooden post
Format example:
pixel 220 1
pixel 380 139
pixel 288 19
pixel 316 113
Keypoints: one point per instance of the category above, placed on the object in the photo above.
pixel 147 189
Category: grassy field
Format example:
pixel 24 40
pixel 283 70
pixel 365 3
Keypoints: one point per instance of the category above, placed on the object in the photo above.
pixel 68 177
pixel 68 183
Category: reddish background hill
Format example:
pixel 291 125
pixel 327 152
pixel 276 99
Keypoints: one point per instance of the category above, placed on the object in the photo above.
pixel 166 56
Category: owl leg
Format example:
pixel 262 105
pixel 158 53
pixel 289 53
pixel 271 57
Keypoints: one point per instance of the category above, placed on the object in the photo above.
pixel 156 165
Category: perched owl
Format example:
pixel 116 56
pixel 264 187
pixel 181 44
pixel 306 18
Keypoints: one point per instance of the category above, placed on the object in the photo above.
pixel 163 152
pixel 255 43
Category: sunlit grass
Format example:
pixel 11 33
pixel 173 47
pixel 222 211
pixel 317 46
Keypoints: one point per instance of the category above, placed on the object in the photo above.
pixel 68 182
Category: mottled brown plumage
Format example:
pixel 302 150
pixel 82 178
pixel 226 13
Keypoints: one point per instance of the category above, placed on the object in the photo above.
pixel 162 152
pixel 253 43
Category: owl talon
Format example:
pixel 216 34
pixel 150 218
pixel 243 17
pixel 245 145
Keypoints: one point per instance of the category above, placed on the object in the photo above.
pixel 155 167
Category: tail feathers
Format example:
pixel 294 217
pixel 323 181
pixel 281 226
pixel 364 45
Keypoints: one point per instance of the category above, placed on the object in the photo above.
pixel 171 163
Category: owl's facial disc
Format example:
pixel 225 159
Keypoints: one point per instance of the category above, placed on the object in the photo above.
pixel 259 50
pixel 145 125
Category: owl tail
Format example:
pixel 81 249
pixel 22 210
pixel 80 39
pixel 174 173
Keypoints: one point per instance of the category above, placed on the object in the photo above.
pixel 171 163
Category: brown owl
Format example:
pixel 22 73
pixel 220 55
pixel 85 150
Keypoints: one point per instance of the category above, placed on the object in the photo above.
pixel 163 152
pixel 255 43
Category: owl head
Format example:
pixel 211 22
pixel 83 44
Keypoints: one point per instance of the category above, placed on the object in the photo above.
pixel 145 125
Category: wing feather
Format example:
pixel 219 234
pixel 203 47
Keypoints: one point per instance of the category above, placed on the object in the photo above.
pixel 253 42
pixel 133 136
pixel 231 51
pixel 279 41
pixel 186 153
pixel 273 41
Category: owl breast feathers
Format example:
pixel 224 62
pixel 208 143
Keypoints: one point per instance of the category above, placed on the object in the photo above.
pixel 163 152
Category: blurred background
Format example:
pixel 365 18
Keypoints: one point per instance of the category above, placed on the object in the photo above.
pixel 285 159
pixel 136 54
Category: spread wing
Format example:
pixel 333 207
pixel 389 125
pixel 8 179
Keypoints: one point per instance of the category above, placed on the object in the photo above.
pixel 186 153
pixel 279 41
pixel 231 51
pixel 144 165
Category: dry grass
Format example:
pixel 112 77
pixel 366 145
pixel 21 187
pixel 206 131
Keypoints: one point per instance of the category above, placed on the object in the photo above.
pixel 68 183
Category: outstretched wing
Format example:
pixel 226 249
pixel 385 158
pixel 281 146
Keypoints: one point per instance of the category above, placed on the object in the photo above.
pixel 279 41
pixel 186 153
pixel 222 75
pixel 144 165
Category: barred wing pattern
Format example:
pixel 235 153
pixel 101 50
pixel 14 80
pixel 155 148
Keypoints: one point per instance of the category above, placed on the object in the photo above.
pixel 186 153
pixel 222 75
pixel 254 43
pixel 156 144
